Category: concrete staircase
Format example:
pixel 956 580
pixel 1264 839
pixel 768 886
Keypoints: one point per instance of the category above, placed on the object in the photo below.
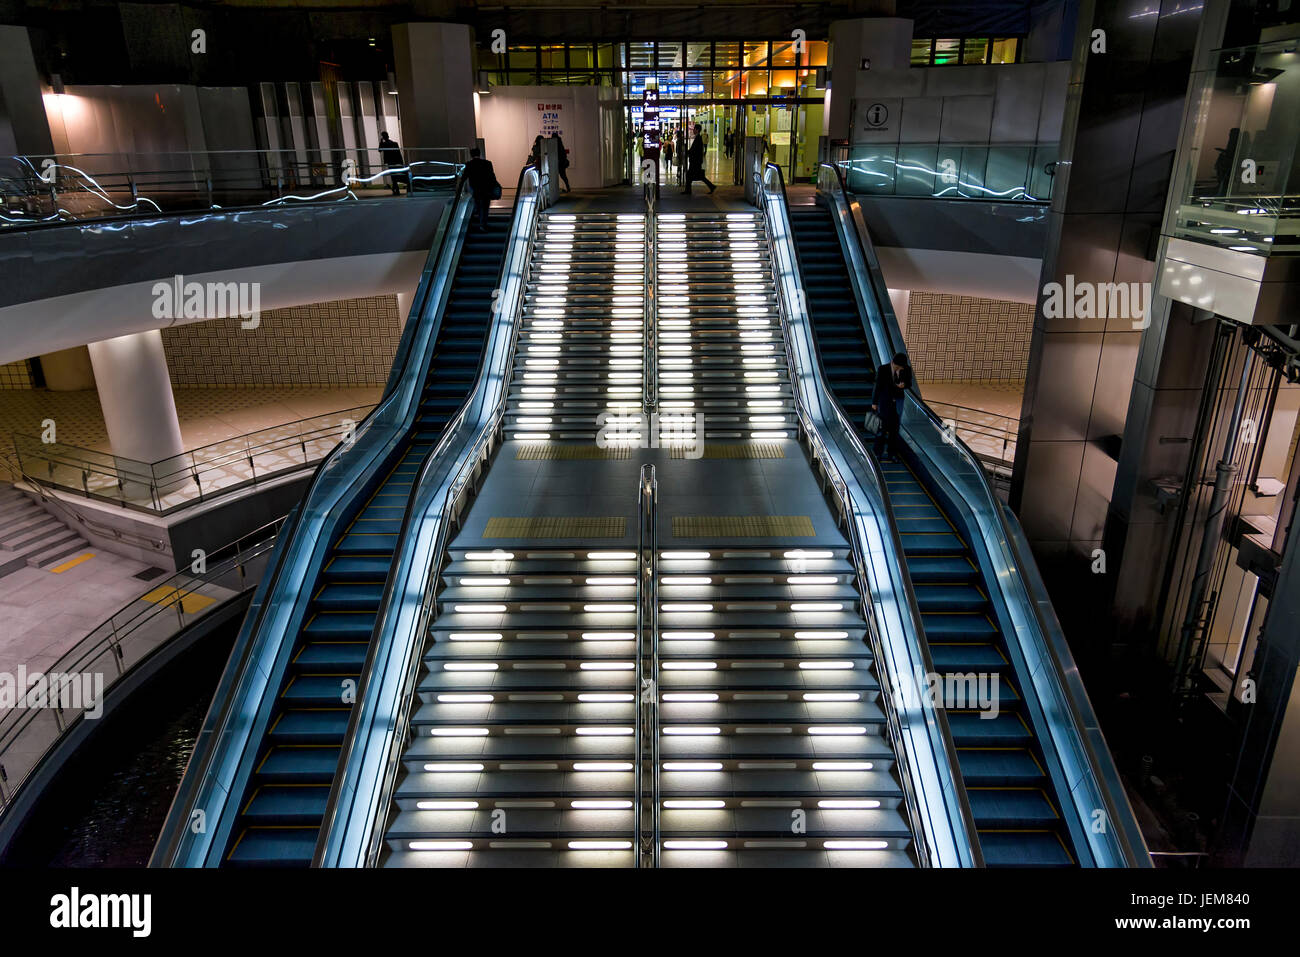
pixel 31 536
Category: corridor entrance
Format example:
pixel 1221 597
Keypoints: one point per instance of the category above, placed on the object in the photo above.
pixel 733 89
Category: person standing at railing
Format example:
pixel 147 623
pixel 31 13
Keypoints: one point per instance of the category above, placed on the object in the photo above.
pixel 391 154
pixel 893 379
pixel 482 180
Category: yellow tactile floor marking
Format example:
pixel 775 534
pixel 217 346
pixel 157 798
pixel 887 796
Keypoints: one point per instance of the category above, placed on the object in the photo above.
pixel 531 450
pixel 611 526
pixel 59 569
pixel 191 602
pixel 736 450
pixel 742 526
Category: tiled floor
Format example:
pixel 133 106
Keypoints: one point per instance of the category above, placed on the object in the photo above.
pixel 45 613
pixel 206 415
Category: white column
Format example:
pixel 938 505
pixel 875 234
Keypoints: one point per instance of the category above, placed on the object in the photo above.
pixel 404 300
pixel 901 299
pixel 135 394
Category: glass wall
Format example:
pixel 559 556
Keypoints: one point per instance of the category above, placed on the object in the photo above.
pixel 952 51
pixel 1243 183
pixel 764 88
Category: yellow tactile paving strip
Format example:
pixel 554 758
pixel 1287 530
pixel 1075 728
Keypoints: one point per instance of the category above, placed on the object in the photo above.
pixel 610 526
pixel 735 450
pixel 742 526
pixel 537 450
pixel 72 563
pixel 191 602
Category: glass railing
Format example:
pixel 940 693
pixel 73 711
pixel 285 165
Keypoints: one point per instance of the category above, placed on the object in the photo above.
pixel 987 171
pixel 36 190
pixel 195 475
pixel 352 828
pixel 116 647
pixel 280 603
pixel 938 811
pixel 1103 824
pixel 1242 180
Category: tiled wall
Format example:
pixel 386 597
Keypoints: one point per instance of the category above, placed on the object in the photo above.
pixel 964 339
pixel 350 342
pixel 16 375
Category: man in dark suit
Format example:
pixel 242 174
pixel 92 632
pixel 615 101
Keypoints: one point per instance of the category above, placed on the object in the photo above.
pixel 482 179
pixel 391 154
pixel 695 162
pixel 893 379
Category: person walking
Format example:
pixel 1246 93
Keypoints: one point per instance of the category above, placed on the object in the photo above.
pixel 679 151
pixel 391 154
pixel 564 163
pixel 482 179
pixel 695 162
pixel 893 379
pixel 668 152
pixel 728 142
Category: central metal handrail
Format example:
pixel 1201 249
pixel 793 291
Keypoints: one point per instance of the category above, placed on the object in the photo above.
pixel 650 345
pixel 647 843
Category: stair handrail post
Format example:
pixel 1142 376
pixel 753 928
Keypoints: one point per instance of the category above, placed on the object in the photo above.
pixel 646 744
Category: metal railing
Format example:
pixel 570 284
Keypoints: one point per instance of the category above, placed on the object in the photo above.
pixel 939 815
pixel 647 844
pixel 70 517
pixel 280 598
pixel 991 435
pixel 195 475
pixel 121 643
pixel 352 829
pixel 54 188
pixel 1088 777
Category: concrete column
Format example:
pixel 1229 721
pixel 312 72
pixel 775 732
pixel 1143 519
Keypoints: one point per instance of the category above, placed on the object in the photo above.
pixel 1107 205
pixel 68 370
pixel 24 130
pixel 135 394
pixel 435 84
pixel 901 300
pixel 404 300
pixel 885 41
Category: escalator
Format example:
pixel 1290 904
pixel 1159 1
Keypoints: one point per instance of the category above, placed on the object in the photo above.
pixel 281 809
pixel 1011 796
pixel 845 355
pixel 1003 736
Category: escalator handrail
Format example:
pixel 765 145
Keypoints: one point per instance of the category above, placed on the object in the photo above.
pixel 965 850
pixel 352 829
pixel 1063 683
pixel 253 645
